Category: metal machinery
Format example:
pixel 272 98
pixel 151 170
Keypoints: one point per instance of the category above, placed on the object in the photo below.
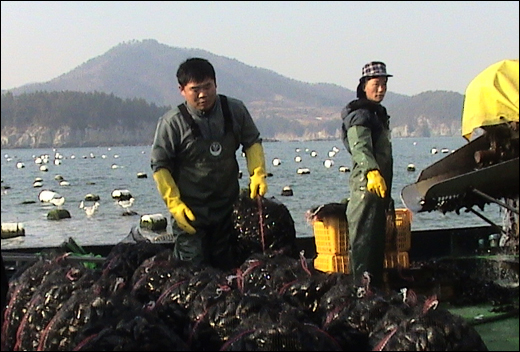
pixel 486 169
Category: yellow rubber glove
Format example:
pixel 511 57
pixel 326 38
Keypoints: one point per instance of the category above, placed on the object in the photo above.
pixel 376 183
pixel 171 196
pixel 256 166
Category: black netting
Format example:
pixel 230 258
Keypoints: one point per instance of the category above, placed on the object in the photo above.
pixel 417 324
pixel 150 278
pixel 21 289
pixel 126 257
pixel 131 330
pixel 284 335
pixel 263 224
pixel 47 298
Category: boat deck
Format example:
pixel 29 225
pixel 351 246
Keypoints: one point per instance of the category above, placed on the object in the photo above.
pixel 459 247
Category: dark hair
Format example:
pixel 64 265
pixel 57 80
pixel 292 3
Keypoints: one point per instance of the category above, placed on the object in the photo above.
pixel 195 69
pixel 360 90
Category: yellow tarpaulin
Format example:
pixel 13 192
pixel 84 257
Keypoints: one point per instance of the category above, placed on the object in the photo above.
pixel 491 98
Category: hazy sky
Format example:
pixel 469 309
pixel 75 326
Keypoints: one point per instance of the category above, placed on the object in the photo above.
pixel 427 45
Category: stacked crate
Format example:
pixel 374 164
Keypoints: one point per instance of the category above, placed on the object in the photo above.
pixel 396 249
pixel 331 238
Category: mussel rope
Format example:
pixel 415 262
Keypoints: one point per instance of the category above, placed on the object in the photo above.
pixel 261 220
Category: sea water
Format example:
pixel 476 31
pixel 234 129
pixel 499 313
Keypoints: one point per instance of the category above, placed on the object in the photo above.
pixel 101 170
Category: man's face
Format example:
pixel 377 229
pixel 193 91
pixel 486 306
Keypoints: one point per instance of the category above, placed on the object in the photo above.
pixel 200 95
pixel 375 88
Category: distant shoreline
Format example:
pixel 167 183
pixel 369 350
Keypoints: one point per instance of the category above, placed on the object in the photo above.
pixel 266 140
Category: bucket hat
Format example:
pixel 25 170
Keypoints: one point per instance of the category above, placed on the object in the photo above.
pixel 374 69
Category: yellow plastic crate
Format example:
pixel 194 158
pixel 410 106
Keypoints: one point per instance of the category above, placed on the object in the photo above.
pixel 331 235
pixel 396 259
pixel 331 263
pixel 403 224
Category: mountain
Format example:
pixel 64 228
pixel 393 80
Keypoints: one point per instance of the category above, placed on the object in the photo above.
pixel 146 70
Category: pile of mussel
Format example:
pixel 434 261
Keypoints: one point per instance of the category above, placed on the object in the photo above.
pixel 141 298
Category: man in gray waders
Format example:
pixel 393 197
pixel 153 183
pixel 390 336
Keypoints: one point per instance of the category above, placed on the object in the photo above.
pixel 366 135
pixel 195 167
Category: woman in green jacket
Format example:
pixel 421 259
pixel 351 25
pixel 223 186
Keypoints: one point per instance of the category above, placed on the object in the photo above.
pixel 366 135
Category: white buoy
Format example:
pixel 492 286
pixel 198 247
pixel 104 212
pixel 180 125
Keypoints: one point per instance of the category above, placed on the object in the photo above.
pixel 298 159
pixel 12 229
pixel 344 169
pixel 303 171
pixel 52 197
pixel 90 197
pixel 121 194
pixel 276 161
pixel 38 182
pixel 153 222
pixel 20 165
pixel 328 163
pixel 287 191
pixel 314 153
pixel 410 167
pixel 46 195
